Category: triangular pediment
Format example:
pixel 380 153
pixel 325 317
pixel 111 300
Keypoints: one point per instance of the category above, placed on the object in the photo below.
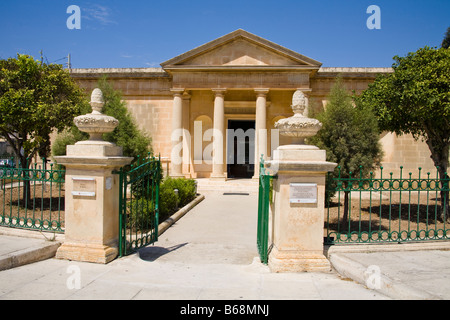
pixel 240 49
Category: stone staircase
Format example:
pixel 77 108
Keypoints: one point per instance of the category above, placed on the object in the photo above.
pixel 230 186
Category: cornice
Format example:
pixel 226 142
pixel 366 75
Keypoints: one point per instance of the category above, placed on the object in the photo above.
pixel 118 72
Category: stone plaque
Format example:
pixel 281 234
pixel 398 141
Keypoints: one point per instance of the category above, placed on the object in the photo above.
pixel 303 192
pixel 84 187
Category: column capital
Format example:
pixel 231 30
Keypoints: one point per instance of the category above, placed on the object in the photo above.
pixel 186 95
pixel 261 92
pixel 177 91
pixel 219 91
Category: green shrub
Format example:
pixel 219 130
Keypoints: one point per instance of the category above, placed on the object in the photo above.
pixel 140 214
pixel 139 209
pixel 168 201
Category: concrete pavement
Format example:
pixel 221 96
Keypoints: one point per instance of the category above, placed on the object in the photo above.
pixel 407 271
pixel 210 254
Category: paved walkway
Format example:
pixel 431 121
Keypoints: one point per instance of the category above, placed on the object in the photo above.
pixel 210 254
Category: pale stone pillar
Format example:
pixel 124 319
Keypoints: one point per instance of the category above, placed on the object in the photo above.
pixel 260 128
pixel 218 171
pixel 298 195
pixel 298 209
pixel 186 166
pixel 91 207
pixel 92 191
pixel 177 136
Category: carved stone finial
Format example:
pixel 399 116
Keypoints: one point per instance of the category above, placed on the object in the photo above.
pixel 96 123
pixel 97 101
pixel 299 126
pixel 299 102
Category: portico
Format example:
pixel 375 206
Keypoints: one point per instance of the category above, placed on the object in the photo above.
pixel 234 76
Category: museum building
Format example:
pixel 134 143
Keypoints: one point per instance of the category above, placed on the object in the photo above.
pixel 239 82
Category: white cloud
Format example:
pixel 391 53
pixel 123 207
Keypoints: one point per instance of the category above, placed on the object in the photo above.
pixel 99 13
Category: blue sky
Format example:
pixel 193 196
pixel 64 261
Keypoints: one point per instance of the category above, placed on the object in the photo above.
pixel 138 33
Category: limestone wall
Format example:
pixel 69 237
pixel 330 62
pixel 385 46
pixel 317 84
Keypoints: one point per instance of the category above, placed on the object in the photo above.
pixel 404 151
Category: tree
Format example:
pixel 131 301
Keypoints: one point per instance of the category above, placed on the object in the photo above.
pixel 350 136
pixel 415 99
pixel 127 134
pixel 446 42
pixel 35 100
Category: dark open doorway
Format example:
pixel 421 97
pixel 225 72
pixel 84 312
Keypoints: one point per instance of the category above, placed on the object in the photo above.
pixel 241 148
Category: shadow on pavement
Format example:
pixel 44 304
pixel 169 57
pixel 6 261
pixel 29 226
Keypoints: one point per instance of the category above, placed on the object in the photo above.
pixel 151 253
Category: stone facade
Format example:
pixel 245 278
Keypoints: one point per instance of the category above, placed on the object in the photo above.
pixel 237 78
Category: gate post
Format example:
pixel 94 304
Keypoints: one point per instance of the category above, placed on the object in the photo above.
pixel 92 190
pixel 298 195
pixel 298 209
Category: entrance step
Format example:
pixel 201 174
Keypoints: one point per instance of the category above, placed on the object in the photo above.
pixel 233 186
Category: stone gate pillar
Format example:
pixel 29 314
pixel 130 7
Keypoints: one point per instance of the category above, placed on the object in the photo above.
pixel 299 196
pixel 92 190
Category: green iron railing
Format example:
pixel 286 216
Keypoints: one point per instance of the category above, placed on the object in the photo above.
pixel 32 198
pixel 388 209
pixel 139 205
pixel 263 213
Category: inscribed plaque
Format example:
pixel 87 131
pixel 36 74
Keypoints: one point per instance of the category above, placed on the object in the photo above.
pixel 303 193
pixel 84 187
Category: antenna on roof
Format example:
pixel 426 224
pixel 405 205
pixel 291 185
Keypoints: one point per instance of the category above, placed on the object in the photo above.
pixel 69 65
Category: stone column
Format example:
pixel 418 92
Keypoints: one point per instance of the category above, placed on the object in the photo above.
pixel 92 191
pixel 186 166
pixel 218 171
pixel 260 128
pixel 177 136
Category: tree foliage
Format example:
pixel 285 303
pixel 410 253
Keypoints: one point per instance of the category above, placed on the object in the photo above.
pixel 446 42
pixel 35 100
pixel 349 135
pixel 415 99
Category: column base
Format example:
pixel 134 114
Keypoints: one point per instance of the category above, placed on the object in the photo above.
pixel 218 177
pixel 298 261
pixel 87 253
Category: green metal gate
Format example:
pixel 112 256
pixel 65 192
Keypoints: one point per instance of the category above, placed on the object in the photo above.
pixel 139 205
pixel 263 213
